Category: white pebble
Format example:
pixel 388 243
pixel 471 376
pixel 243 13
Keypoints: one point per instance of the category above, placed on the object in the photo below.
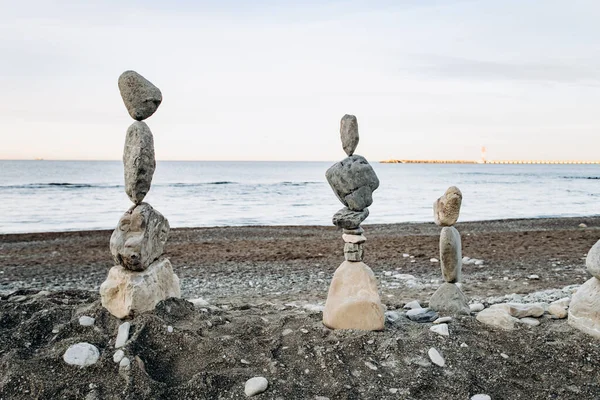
pixel 286 332
pixel 118 356
pixel 533 277
pixel 370 366
pixel 405 255
pixel 256 385
pixel 481 397
pixel 442 320
pixel 529 321
pixel 505 278
pixel 476 307
pixel 199 302
pixel 434 260
pixel 464 345
pixel 170 329
pixel 387 273
pixel 411 305
pixel 303 330
pixel 84 320
pixel 122 335
pixel 436 357
pixel 505 356
pixel 441 329
pixel 125 363
pixel 479 262
pixel 81 354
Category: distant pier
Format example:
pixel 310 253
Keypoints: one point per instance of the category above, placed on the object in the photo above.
pixel 488 162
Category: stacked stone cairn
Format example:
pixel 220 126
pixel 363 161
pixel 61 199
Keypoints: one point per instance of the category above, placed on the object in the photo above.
pixel 353 301
pixel 449 298
pixel 142 277
pixel 584 309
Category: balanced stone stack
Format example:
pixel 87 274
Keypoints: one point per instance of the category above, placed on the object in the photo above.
pixel 449 298
pixel 353 301
pixel 584 309
pixel 142 276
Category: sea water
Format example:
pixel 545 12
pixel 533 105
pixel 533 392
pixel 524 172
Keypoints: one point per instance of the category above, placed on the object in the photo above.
pixel 40 196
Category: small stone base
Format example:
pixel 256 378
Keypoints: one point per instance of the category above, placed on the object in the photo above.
pixel 449 299
pixel 125 292
pixel 584 310
pixel 353 301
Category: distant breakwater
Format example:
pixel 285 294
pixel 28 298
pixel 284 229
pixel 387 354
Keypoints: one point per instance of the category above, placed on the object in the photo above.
pixel 566 162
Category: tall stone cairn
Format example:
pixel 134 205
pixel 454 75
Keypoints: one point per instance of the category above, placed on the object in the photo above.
pixel 449 298
pixel 584 309
pixel 142 276
pixel 353 301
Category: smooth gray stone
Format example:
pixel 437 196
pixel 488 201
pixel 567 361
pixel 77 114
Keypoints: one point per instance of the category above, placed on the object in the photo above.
pixel 139 238
pixel 422 315
pixel 450 254
pixel 138 161
pixel 353 181
pixel 592 261
pixel 353 252
pixel 449 299
pixel 348 219
pixel 140 96
pixel 349 133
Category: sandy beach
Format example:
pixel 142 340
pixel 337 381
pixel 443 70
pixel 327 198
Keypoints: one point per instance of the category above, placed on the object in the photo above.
pixel 264 287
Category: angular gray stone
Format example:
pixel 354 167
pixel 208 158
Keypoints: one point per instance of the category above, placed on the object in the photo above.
pixel 422 315
pixel 450 254
pixel 353 181
pixel 592 261
pixel 348 219
pixel 353 252
pixel 349 133
pixel 140 96
pixel 449 299
pixel 447 208
pixel 139 238
pixel 138 161
pixel 355 231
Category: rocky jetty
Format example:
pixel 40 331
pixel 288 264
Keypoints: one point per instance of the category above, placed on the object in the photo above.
pixel 584 308
pixel 142 276
pixel 353 301
pixel 449 298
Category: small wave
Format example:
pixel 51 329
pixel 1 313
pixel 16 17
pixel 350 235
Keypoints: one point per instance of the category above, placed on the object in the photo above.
pixel 51 185
pixel 199 184
pixel 581 177
pixel 287 183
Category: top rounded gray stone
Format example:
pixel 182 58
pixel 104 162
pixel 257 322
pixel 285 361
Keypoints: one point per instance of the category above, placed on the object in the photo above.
pixel 140 96
pixel 447 208
pixel 349 133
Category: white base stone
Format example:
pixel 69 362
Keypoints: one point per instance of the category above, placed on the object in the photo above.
pixel 125 292
pixel 353 301
pixel 584 310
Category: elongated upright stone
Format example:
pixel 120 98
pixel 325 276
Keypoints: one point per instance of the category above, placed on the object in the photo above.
pixel 140 96
pixel 138 161
pixel 447 208
pixel 450 254
pixel 349 133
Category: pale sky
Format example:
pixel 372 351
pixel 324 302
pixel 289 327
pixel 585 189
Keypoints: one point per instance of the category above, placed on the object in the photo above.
pixel 269 80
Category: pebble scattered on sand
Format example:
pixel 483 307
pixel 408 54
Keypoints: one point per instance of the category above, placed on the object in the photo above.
pixel 481 397
pixel 170 329
pixel 199 302
pixel 530 321
pixel 86 321
pixel 533 277
pixel 476 307
pixel 436 357
pixel 122 335
pixel 118 356
pixel 422 315
pixel 411 305
pixel 286 332
pixel 441 329
pixel 434 260
pixel 371 365
pixel 81 354
pixel 256 385
pixel 442 320
pixel 557 311
pixel 125 363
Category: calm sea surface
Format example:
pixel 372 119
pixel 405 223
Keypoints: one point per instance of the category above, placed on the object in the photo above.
pixel 39 196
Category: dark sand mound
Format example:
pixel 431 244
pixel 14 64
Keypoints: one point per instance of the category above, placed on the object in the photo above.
pixel 202 357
